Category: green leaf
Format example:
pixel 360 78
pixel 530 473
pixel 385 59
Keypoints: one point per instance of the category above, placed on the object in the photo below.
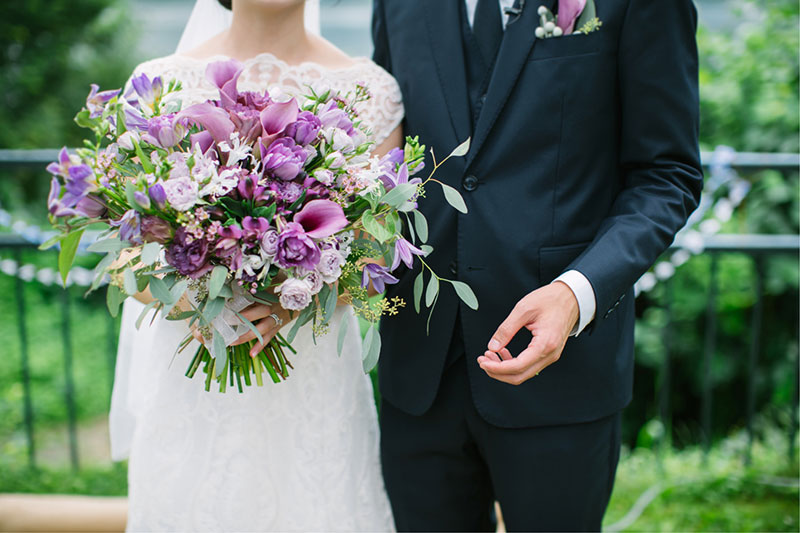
pixel 150 253
pixel 160 291
pixel 421 225
pixel 178 289
pixel 69 246
pixel 432 291
pixel 147 166
pixel 220 354
pixel 400 194
pixel 113 300
pixel 454 198
pixel 147 308
pixel 343 327
pixel 305 317
pixel 267 212
pixel 112 244
pixel 374 228
pixel 129 280
pixel 232 206
pixel 462 149
pixel 427 248
pixel 418 285
pixel 329 299
pixel 213 308
pixel 51 241
pixel 251 327
pixel 411 230
pixel 130 190
pixel 82 119
pixel 372 349
pixel 218 276
pixel 465 293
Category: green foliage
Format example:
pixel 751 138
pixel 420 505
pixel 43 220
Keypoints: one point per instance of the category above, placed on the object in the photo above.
pixel 749 80
pixel 95 481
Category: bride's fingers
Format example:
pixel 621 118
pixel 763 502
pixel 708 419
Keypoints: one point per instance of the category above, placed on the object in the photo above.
pixel 257 312
pixel 263 326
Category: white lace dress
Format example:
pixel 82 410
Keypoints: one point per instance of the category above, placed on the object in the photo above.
pixel 301 455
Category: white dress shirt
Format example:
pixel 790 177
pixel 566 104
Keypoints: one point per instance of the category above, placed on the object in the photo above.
pixel 577 282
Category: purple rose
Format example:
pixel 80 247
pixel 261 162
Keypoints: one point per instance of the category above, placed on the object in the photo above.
pixel 305 130
pixel 314 281
pixel 295 294
pixel 296 249
pixel 155 229
pixel 181 193
pixel 188 255
pixel 330 265
pixel 269 242
pixel 283 159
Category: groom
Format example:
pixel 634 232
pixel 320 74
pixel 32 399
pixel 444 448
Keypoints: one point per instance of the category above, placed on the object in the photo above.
pixel 583 164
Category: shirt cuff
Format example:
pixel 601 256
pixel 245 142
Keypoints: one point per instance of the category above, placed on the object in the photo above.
pixel 584 293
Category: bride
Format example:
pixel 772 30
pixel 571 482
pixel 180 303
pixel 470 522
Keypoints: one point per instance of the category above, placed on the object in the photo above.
pixel 299 455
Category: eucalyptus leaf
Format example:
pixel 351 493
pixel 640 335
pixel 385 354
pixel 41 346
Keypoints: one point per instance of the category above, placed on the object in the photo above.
pixel 372 349
pixel 401 194
pixel 160 291
pixel 432 291
pixel 421 225
pixel 150 253
pixel 147 308
pixel 418 286
pixel 178 289
pixel 343 327
pixel 111 244
pixel 69 246
pixel 213 308
pixel 374 228
pixel 464 292
pixel 454 198
pixel 427 248
pixel 329 305
pixel 411 230
pixel 129 281
pixel 251 327
pixel 462 149
pixel 218 276
pixel 220 354
pixel 305 317
pixel 113 300
pixel 49 243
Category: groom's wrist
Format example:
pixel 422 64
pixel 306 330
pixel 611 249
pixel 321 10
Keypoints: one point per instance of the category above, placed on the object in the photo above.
pixel 584 294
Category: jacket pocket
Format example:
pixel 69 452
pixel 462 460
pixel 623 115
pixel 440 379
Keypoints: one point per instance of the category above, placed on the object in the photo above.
pixel 570 46
pixel 553 260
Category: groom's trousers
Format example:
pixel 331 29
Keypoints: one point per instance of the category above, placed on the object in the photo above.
pixel 444 468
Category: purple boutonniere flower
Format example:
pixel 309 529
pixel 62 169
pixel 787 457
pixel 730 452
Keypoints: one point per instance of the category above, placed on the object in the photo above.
pixel 568 13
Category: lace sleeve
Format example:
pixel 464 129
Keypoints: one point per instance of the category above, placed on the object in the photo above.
pixel 384 111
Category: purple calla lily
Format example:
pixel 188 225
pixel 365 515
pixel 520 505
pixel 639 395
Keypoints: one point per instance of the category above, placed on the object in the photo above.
pixel 224 75
pixel 568 13
pixel 404 251
pixel 379 276
pixel 216 121
pixel 275 118
pixel 321 218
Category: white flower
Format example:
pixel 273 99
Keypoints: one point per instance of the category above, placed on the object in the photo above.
pixel 253 264
pixel 323 176
pixel 221 184
pixel 127 139
pixel 181 193
pixel 340 140
pixel 236 150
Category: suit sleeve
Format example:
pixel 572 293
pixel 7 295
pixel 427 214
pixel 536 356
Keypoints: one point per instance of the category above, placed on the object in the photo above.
pixel 380 39
pixel 659 156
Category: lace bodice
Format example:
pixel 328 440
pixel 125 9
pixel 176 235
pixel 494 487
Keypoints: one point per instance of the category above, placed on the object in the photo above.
pixel 382 113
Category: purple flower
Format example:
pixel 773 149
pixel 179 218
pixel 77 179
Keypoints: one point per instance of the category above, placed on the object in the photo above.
pixel 330 265
pixel 269 242
pixel 142 199
pixel 379 276
pixel 295 294
pixel 217 122
pixel 305 130
pixel 283 159
pixel 275 118
pixel 147 90
pixel 321 218
pixel 254 228
pixel 250 190
pixel 61 167
pixel 287 191
pixel 77 183
pixel 181 193
pixel 331 116
pixel 155 229
pixel 129 227
pixel 568 13
pixel 91 207
pixel 224 75
pixel 404 251
pixel 70 205
pixel 392 179
pixel 228 246
pixel 158 195
pixel 134 120
pixel 296 249
pixel 188 255
pixel 96 101
pixel 314 281
pixel 165 131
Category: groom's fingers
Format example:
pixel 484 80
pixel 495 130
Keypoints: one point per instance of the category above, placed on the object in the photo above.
pixel 515 321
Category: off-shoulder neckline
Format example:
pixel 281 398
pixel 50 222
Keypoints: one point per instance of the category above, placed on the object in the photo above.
pixel 268 57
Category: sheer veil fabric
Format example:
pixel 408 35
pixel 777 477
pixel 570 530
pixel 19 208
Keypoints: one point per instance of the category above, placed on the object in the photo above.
pixel 208 18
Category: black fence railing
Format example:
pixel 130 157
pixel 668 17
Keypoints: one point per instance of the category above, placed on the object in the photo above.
pixel 757 247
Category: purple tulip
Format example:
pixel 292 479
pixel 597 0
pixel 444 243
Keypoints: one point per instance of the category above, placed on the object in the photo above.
pixel 275 118
pixel 141 199
pixel 129 227
pixel 254 228
pixel 568 13
pixel 379 276
pixel 96 101
pixel 155 229
pixel 332 116
pixel 404 251
pixel 165 131
pixel 224 75
pixel 305 129
pixel 321 218
pixel 283 159
pixel 296 249
pixel 158 195
pixel 188 255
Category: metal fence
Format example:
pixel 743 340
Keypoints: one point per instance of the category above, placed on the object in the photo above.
pixel 757 247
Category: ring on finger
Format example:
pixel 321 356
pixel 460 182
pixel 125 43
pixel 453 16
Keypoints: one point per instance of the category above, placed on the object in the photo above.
pixel 278 320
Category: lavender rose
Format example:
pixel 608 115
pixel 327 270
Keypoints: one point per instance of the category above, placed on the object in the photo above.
pixel 296 249
pixel 330 265
pixel 188 255
pixel 314 281
pixel 295 294
pixel 181 193
pixel 269 243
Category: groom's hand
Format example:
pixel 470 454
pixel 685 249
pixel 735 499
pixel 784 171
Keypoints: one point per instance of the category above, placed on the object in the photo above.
pixel 549 313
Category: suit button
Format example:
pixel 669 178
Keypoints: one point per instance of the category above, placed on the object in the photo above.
pixel 470 183
pixel 453 268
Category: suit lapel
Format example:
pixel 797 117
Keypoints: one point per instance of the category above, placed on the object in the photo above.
pixel 443 21
pixel 518 40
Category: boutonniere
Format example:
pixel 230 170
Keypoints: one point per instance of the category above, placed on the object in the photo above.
pixel 573 17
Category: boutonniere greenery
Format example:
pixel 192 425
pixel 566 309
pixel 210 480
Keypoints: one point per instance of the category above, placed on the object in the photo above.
pixel 573 17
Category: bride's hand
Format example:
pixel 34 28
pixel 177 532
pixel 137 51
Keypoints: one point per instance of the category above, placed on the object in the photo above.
pixel 268 320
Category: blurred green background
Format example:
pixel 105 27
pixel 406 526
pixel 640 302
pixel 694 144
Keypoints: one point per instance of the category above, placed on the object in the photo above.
pixel 51 50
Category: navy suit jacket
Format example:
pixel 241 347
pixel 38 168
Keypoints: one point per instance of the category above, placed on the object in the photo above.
pixel 584 156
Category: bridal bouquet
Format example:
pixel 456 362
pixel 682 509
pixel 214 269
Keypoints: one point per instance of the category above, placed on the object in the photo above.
pixel 244 199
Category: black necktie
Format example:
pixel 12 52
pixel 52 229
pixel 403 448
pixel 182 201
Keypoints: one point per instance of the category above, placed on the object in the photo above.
pixel 488 28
